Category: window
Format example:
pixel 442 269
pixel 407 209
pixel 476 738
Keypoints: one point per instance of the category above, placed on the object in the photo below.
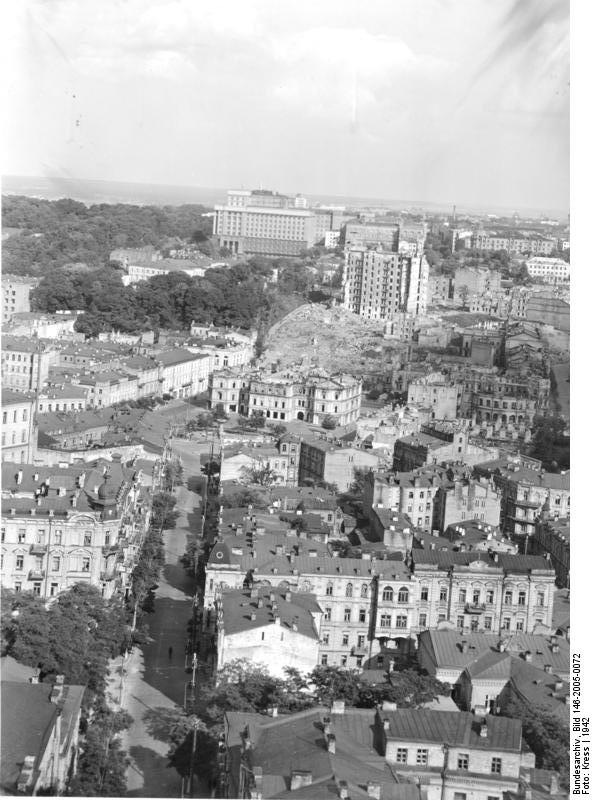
pixel 506 624
pixel 18 586
pixel 347 614
pixel 460 622
pixel 403 595
pixel 22 536
pixel 507 598
pixel 540 598
pixel 520 625
pixel 86 565
pixel 362 615
pixel 443 594
pixel 325 638
pixel 3 534
pixel 349 590
pixel 487 623
pixel 364 592
pixel 462 595
pixel 441 617
pixel 55 564
pixel 387 594
pixel 345 640
pixel 53 589
pixel 385 620
pixel 324 660
pixel 329 589
pixel 401 755
pixel 489 596
pixel 361 640
pixel 476 597
pixel 421 756
pixel 37 588
pixel 57 537
pixel 425 593
pixel 87 539
pixel 423 620
pixel 475 624
pixel 20 562
pixel 461 795
pixel 522 598
pixel 463 761
pixel 328 614
pixel 40 538
pixel 401 621
pixel 496 766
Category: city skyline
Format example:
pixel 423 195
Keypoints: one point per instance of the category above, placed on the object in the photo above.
pixel 445 102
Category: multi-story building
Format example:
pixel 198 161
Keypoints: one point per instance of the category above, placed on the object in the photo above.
pixel 45 326
pixel 107 387
pixel 379 284
pixel 438 393
pixel 61 526
pixel 183 373
pixel 549 270
pixel 25 363
pixel 147 373
pixel 143 271
pixel 552 537
pixel 270 626
pixel 454 754
pixel 525 493
pixel 372 234
pixel 475 591
pixel 334 463
pixel 468 281
pixel 544 307
pixel 288 396
pixel 19 432
pixel 289 446
pixel 465 498
pixel 40 755
pixel 63 397
pixel 535 245
pixel 261 222
pixel 438 289
pixel 16 291
pixel 438 442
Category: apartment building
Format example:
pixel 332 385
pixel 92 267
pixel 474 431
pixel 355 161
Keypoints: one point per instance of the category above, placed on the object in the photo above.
pixel 469 281
pixel 382 235
pixel 26 362
pixel 535 245
pixel 16 291
pixel 63 525
pixel 62 397
pixel 261 222
pixel 334 463
pixel 19 432
pixel 438 393
pixel 108 387
pixel 453 754
pixel 481 592
pixel 379 284
pixel 439 442
pixel 288 396
pixel 194 267
pixel 552 536
pixel 549 270
pixel 271 626
pixel 183 373
pixel 525 493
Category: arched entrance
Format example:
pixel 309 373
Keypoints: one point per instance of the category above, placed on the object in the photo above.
pixel 300 416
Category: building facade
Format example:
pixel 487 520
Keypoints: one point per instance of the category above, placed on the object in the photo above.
pixel 16 291
pixel 19 432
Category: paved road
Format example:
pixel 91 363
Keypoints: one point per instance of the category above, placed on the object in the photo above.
pixel 155 683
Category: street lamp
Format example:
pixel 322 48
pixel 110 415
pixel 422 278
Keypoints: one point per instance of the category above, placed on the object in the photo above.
pixel 195 723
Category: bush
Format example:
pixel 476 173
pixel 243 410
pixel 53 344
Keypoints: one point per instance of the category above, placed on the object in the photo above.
pixel 329 423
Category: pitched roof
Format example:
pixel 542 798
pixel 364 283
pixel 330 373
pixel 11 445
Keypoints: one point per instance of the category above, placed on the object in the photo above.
pixel 238 608
pixel 455 728
pixel 444 559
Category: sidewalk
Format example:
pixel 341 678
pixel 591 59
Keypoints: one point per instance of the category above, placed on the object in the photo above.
pixel 154 680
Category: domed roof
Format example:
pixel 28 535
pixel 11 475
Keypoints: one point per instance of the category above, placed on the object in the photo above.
pixel 105 490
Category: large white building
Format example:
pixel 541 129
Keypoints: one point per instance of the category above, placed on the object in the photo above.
pixel 380 284
pixel 549 270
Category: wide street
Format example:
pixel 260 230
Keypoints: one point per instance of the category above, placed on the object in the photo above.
pixel 155 683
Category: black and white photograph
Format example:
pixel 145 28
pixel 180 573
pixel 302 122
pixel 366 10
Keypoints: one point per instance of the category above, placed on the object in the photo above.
pixel 286 384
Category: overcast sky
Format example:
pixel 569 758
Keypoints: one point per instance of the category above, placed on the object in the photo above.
pixel 462 101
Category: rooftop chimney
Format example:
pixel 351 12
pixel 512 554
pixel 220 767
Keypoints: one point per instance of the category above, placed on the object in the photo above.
pixel 331 742
pixel 272 711
pixel 547 668
pixel 288 597
pixel 343 790
pixel 260 603
pixel 558 685
pixel 253 616
pixel 389 705
pixel 19 477
pixel 528 656
pixel 464 647
pixel 554 647
pixel 483 729
pixel 386 724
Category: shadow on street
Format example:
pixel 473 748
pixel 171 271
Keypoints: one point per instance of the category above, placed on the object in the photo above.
pixel 157 774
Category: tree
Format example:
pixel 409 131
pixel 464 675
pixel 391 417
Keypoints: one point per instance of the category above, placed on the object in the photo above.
pixel 243 498
pixel 278 430
pixel 329 423
pixel 219 412
pixel 335 683
pixel 257 419
pixel 262 475
pixel 163 510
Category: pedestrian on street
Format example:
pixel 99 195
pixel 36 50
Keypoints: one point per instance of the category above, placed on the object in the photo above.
pixel 170 653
